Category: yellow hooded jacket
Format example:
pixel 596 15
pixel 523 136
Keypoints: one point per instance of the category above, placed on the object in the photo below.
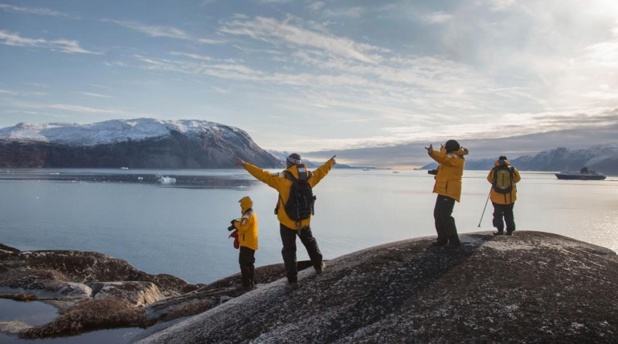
pixel 278 182
pixel 500 198
pixel 450 172
pixel 247 226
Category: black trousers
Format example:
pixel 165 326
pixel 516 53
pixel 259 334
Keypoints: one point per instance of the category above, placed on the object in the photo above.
pixel 504 211
pixel 445 223
pixel 288 238
pixel 246 258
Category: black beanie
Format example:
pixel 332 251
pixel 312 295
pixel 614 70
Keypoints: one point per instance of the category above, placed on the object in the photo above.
pixel 294 159
pixel 451 146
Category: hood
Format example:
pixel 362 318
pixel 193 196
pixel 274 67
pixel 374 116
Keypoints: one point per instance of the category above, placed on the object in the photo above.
pixel 462 151
pixel 245 204
pixel 502 162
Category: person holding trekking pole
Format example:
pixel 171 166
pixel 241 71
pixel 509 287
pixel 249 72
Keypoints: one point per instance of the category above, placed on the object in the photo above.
pixel 294 209
pixel 451 162
pixel 503 194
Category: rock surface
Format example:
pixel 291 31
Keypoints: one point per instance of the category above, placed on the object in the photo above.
pixel 532 287
pixel 95 291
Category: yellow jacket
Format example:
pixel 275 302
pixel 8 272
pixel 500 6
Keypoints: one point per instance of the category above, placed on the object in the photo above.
pixel 247 226
pixel 450 172
pixel 278 182
pixel 501 198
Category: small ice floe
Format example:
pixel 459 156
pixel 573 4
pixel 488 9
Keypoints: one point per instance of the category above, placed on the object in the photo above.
pixel 166 180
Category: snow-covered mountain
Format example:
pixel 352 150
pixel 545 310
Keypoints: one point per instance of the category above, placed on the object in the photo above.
pixel 110 131
pixel 137 143
pixel 601 158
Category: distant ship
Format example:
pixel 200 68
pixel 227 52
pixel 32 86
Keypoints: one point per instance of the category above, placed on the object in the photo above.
pixel 583 174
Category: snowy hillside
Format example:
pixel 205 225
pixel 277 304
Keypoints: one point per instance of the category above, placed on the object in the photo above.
pixel 136 143
pixel 107 132
pixel 601 158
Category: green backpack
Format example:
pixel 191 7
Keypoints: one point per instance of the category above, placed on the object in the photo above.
pixel 503 179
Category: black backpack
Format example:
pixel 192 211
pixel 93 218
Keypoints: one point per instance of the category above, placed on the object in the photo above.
pixel 503 179
pixel 300 203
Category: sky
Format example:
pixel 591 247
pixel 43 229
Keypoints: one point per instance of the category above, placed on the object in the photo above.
pixel 316 75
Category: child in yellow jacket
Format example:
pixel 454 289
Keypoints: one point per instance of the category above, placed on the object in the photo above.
pixel 247 231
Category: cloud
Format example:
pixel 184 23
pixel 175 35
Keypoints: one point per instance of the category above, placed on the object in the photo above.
pixel 315 6
pixel 350 12
pixel 437 17
pixel 96 95
pixel 35 11
pixel 273 31
pixel 163 31
pixel 61 45
pixel 152 30
pixel 81 109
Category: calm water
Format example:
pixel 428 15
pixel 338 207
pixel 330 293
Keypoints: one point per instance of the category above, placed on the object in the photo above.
pixel 180 229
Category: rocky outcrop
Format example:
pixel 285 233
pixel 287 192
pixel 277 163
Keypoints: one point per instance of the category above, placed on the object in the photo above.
pixel 529 288
pixel 78 284
pixel 95 291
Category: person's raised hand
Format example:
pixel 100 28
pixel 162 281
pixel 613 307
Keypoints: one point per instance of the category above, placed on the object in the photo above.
pixel 239 161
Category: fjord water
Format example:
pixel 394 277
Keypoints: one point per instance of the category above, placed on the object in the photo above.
pixel 181 228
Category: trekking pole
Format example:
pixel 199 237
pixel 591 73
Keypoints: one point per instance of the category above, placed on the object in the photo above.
pixel 487 201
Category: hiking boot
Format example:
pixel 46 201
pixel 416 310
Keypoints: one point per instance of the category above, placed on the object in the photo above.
pixel 499 233
pixel 452 245
pixel 439 243
pixel 294 285
pixel 509 233
pixel 320 268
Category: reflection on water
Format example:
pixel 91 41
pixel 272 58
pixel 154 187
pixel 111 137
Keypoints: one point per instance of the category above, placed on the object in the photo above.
pixel 39 313
pixel 31 313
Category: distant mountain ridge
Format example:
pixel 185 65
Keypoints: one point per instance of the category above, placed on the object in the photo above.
pixel 601 158
pixel 134 143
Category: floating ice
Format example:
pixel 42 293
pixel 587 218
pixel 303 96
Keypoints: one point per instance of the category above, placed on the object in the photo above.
pixel 166 180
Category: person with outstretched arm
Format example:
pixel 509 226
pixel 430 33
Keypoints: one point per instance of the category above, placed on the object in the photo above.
pixel 451 162
pixel 294 214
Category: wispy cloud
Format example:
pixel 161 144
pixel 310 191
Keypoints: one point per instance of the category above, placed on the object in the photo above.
pixel 350 12
pixel 163 31
pixel 61 45
pixel 438 17
pixel 82 109
pixel 284 32
pixel 35 11
pixel 152 30
pixel 96 95
pixel 7 92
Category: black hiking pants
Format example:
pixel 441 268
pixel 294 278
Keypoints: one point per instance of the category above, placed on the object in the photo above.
pixel 445 223
pixel 246 258
pixel 288 238
pixel 504 211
